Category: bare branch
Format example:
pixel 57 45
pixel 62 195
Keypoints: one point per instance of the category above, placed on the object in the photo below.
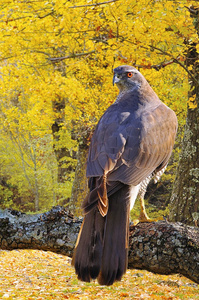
pixel 58 59
pixel 186 69
pixel 175 60
pixel 156 67
pixel 160 247
pixel 94 4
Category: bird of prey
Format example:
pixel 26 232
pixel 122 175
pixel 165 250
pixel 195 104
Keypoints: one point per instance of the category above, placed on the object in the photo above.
pixel 131 145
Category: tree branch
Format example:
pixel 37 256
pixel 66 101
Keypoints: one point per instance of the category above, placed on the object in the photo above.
pixel 160 247
pixel 157 67
pixel 94 4
pixel 58 59
pixel 173 59
pixel 176 60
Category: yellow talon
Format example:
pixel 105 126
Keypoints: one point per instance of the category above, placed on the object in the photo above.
pixel 143 215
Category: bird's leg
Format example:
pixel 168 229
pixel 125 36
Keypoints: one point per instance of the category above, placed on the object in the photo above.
pixel 143 215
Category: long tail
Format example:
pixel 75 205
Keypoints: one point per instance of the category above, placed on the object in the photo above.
pixel 102 246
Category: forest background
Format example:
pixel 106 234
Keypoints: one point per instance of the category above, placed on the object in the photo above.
pixel 56 66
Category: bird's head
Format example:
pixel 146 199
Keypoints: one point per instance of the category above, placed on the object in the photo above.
pixel 127 77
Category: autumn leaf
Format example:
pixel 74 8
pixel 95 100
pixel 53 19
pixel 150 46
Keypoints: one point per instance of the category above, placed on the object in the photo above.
pixel 53 52
pixel 31 274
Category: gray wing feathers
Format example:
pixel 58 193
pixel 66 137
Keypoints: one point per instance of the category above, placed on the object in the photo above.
pixel 129 148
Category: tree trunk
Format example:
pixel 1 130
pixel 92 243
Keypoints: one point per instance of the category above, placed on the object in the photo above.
pixel 184 204
pixel 161 247
pixel 61 152
pixel 185 197
pixel 80 183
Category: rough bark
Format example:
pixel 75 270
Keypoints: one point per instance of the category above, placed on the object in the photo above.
pixel 165 248
pixel 185 197
pixel 61 152
pixel 184 203
pixel 80 183
pixel 160 247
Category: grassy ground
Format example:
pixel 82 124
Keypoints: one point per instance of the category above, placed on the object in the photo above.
pixel 31 274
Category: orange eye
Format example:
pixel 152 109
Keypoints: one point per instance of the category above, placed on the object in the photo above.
pixel 129 74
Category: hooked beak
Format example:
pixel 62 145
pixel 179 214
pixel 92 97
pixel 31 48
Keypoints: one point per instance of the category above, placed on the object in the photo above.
pixel 116 79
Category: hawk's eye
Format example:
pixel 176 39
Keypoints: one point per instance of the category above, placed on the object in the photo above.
pixel 129 74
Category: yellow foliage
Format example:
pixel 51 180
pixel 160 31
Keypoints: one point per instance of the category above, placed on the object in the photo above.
pixel 192 104
pixel 59 49
pixel 31 274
